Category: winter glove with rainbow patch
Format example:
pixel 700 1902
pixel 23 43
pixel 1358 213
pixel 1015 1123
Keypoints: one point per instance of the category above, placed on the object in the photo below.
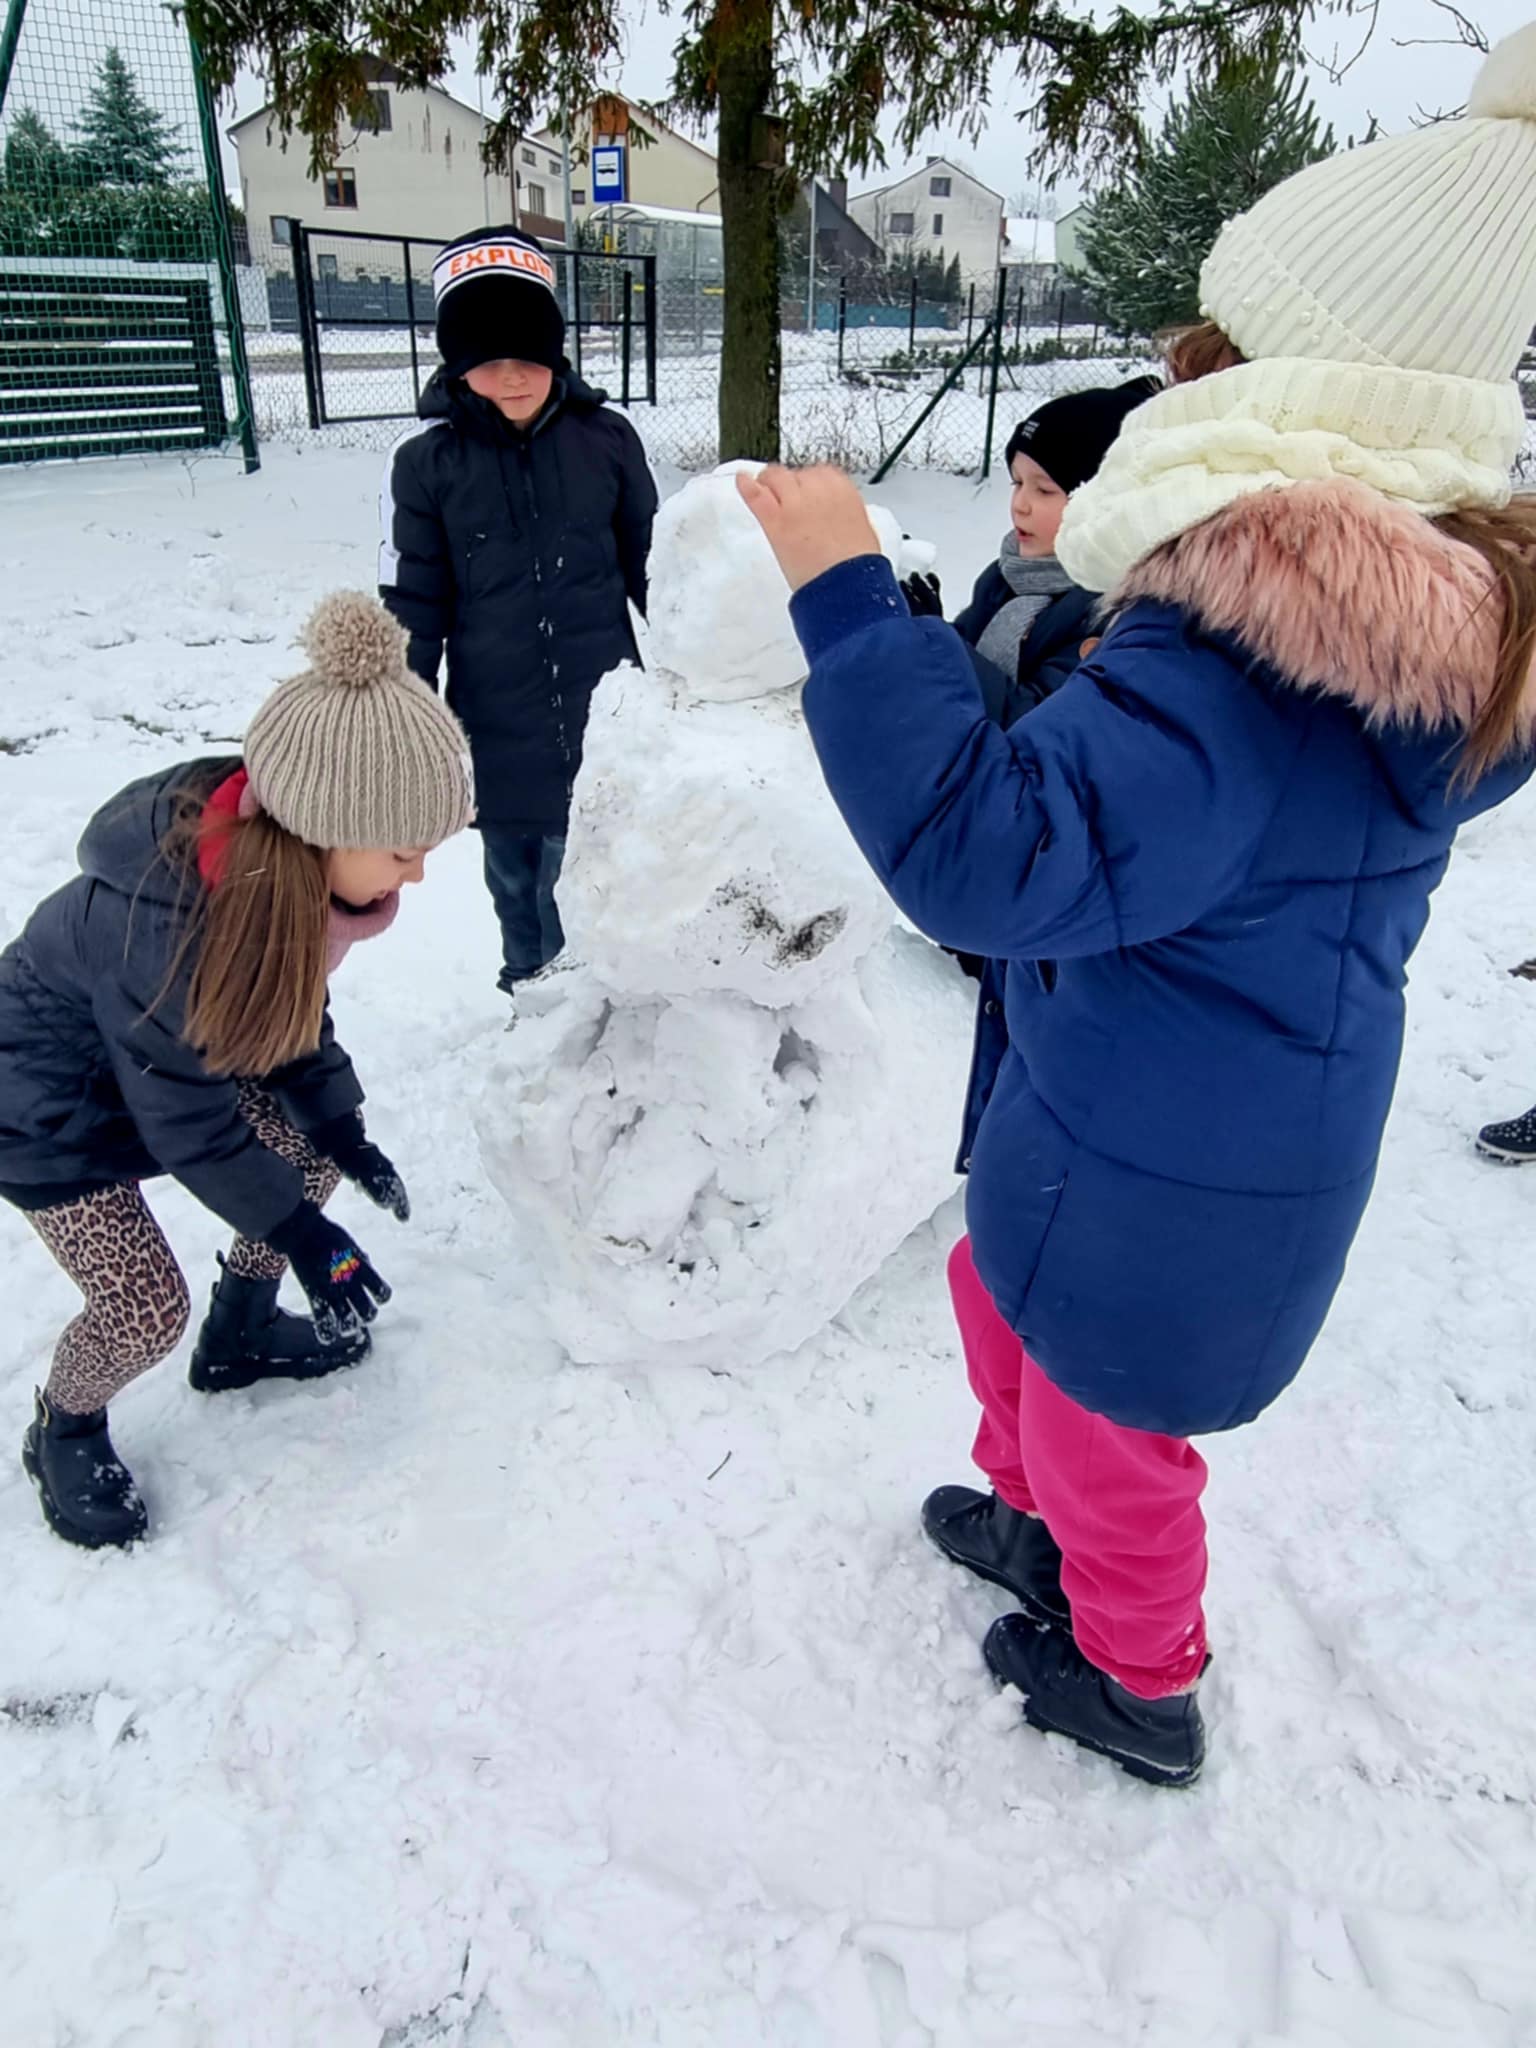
pixel 345 1141
pixel 343 1289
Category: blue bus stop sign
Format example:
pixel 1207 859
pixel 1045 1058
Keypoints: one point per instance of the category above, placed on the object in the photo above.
pixel 610 175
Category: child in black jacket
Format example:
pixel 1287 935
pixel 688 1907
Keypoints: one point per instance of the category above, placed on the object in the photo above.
pixel 516 526
pixel 166 1012
pixel 1027 619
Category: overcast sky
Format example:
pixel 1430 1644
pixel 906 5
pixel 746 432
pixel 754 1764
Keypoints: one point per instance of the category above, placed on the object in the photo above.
pixel 1388 80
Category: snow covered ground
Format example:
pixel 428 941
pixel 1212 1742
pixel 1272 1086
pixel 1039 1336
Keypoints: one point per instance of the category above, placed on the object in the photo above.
pixel 479 1701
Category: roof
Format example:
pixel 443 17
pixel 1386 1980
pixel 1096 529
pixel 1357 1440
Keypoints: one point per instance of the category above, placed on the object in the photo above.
pixel 945 163
pixel 385 77
pixel 633 210
pixel 547 136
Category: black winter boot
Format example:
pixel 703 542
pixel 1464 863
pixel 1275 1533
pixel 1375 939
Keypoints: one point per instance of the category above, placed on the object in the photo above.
pixel 87 1493
pixel 1162 1741
pixel 247 1338
pixel 999 1543
pixel 1513 1142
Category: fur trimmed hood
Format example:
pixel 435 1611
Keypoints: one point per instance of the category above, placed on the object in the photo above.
pixel 1340 590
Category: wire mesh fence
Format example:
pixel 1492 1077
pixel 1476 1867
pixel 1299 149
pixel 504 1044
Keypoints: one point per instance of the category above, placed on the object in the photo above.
pixel 858 371
pixel 120 306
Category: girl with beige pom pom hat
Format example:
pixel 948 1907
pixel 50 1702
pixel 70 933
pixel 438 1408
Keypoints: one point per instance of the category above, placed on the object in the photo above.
pixel 166 1013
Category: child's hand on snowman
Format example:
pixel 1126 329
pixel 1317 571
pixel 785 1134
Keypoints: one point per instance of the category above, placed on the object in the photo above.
pixel 814 519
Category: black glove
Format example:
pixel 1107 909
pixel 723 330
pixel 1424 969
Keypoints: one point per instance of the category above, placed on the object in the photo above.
pixel 345 1141
pixel 342 1287
pixel 924 598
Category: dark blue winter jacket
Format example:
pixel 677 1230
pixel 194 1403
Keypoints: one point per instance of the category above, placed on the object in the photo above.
pixel 1206 881
pixel 1048 652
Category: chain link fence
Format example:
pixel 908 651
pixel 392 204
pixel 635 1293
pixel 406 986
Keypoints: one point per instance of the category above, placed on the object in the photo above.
pixel 120 290
pixel 860 372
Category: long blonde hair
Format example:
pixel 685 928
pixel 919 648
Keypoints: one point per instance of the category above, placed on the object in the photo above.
pixel 257 995
pixel 1505 539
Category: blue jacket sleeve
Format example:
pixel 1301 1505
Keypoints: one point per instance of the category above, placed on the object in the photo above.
pixel 1119 812
pixel 635 517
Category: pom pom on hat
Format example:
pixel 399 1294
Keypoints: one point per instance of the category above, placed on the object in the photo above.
pixel 353 643
pixel 357 751
pixel 1505 89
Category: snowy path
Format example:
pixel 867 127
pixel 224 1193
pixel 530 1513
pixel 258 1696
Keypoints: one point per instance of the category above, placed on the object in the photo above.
pixel 473 1700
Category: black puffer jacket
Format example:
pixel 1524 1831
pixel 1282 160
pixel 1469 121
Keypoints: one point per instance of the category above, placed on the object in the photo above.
pixel 95 1089
pixel 1049 652
pixel 518 550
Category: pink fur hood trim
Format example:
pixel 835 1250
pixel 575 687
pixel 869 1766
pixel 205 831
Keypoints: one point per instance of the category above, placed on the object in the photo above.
pixel 1340 590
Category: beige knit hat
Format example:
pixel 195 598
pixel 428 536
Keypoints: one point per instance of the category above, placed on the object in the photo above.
pixel 358 752
pixel 1383 298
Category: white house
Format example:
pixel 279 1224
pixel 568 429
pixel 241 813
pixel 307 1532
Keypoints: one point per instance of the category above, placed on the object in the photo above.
pixel 417 171
pixel 942 207
pixel 666 170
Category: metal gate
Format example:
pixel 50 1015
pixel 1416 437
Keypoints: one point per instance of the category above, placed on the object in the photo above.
pixel 106 366
pixel 363 311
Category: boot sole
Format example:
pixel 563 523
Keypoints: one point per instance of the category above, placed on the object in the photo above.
pixel 233 1379
pixel 1133 1766
pixel 1504 1157
pixel 1035 1609
pixel 71 1532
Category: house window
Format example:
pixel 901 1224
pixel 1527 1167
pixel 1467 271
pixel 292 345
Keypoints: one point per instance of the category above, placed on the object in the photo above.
pixel 938 223
pixel 903 224
pixel 554 167
pixel 530 156
pixel 341 188
pixel 380 118
pixel 578 195
pixel 282 231
pixel 536 201
pixel 326 265
pixel 938 188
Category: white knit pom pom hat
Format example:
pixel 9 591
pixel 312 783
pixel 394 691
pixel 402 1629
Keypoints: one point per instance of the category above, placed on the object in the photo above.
pixel 357 751
pixel 1383 299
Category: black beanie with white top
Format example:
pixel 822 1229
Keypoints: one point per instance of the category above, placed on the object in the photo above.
pixel 496 300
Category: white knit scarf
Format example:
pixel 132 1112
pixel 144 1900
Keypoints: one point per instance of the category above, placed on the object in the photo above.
pixel 1435 442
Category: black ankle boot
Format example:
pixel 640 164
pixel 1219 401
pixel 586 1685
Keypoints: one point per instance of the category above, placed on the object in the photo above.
pixel 1161 1741
pixel 999 1543
pixel 247 1338
pixel 87 1493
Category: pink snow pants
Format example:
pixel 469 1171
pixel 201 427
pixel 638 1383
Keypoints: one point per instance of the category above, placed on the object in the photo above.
pixel 1123 1504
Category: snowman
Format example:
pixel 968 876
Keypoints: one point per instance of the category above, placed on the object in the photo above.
pixel 716 1124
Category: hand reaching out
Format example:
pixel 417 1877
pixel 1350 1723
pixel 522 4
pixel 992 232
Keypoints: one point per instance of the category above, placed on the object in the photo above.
pixel 814 519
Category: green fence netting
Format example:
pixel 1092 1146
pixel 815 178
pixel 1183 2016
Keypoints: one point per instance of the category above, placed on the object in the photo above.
pixel 121 326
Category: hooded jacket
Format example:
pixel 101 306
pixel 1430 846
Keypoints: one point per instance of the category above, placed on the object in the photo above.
pixel 519 552
pixel 97 1082
pixel 1204 864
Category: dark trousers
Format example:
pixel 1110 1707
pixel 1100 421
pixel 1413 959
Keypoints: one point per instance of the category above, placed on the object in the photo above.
pixel 521 873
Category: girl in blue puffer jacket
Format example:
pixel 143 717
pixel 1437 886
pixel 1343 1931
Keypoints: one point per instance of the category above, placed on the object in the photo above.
pixel 1200 868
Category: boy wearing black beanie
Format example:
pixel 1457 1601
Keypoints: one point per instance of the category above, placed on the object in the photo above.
pixel 516 525
pixel 1027 619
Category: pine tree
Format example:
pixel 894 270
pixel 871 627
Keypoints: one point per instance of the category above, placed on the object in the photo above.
pixel 1221 148
pixel 36 162
pixel 125 141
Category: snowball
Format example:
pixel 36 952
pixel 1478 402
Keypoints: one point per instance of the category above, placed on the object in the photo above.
pixel 708 1182
pixel 719 608
pixel 704 852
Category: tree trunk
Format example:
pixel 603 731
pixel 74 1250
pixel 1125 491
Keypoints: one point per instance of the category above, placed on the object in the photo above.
pixel 750 356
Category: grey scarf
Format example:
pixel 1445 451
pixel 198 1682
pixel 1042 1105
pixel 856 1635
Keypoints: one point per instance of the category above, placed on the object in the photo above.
pixel 1034 582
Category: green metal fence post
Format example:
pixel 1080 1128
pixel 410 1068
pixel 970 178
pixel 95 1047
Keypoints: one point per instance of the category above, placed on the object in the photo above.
pixel 15 15
pixel 224 253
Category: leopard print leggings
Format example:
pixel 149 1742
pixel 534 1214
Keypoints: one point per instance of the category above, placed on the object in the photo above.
pixel 136 1302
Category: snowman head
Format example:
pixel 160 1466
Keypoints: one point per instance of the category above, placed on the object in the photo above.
pixel 719 607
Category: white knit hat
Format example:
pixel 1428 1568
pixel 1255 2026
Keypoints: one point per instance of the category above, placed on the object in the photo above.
pixel 357 752
pixel 1383 298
